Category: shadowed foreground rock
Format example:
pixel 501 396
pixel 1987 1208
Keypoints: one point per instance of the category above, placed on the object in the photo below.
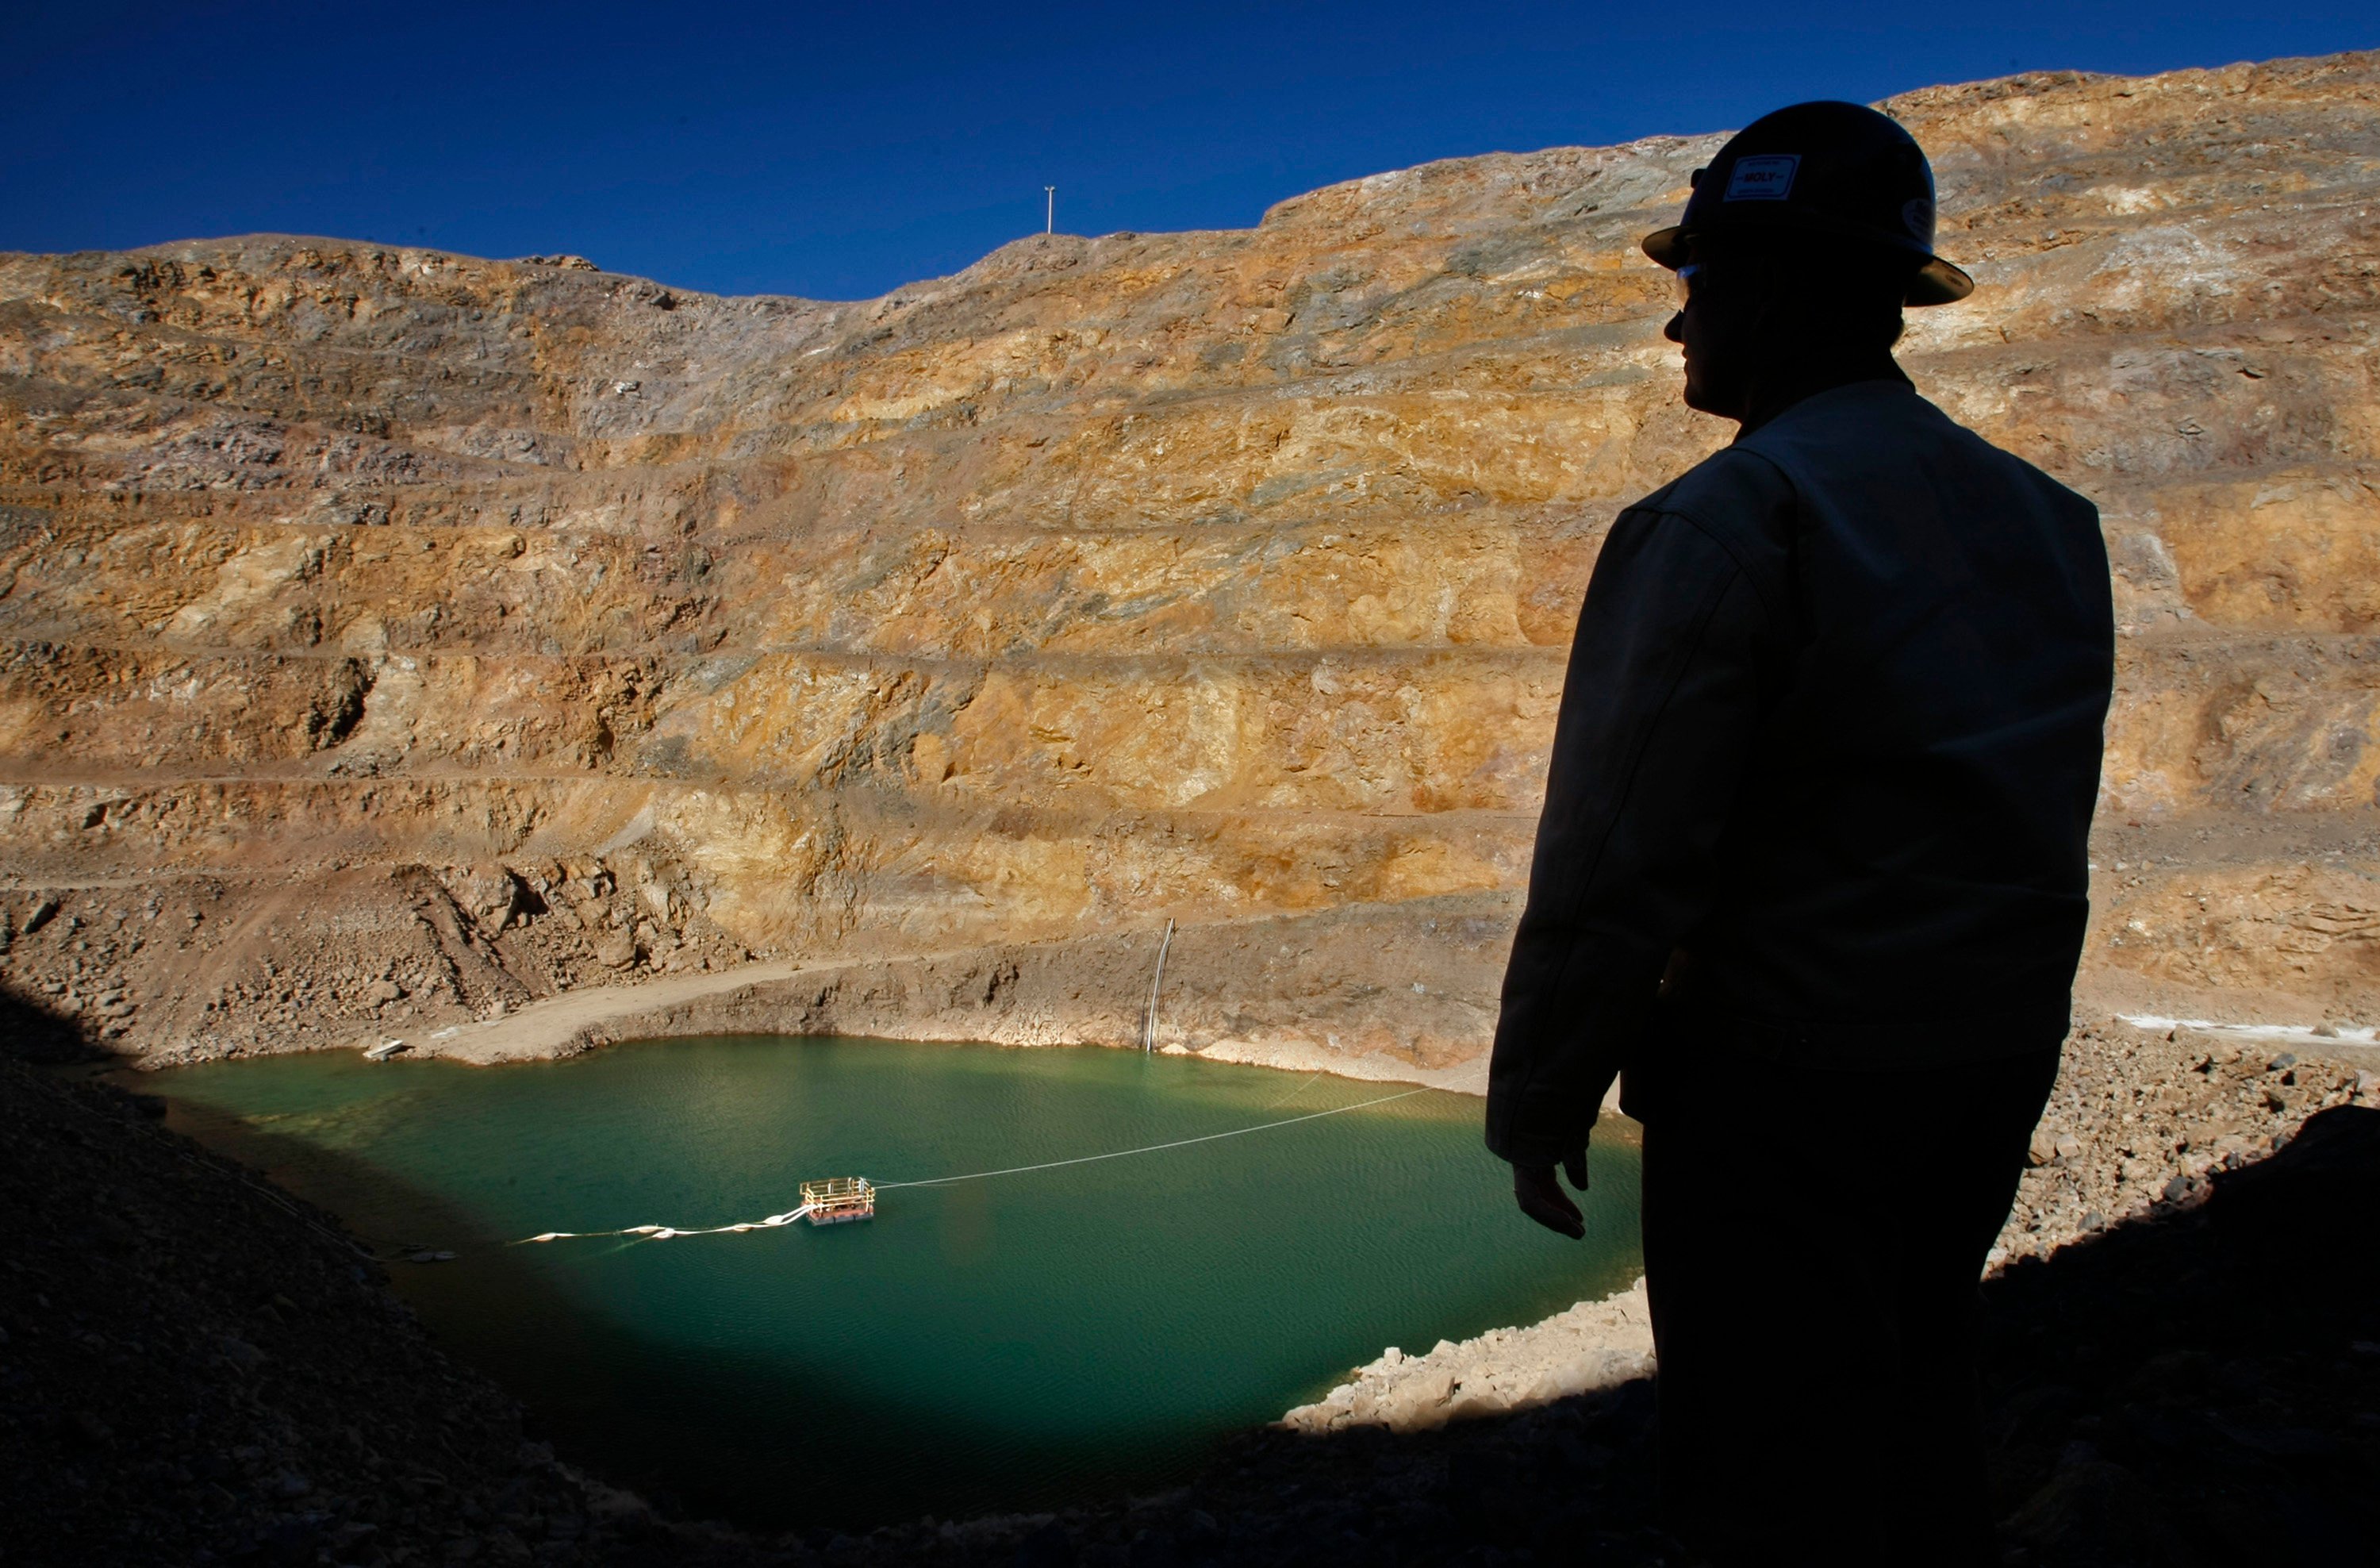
pixel 195 1367
pixel 2203 1388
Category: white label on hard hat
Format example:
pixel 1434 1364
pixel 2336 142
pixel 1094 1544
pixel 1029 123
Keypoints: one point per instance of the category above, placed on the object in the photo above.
pixel 1768 176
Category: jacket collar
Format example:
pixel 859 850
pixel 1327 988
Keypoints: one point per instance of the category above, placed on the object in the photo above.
pixel 1878 372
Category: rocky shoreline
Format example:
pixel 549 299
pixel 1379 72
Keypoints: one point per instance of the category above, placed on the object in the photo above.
pixel 2138 1124
pixel 484 965
pixel 260 1367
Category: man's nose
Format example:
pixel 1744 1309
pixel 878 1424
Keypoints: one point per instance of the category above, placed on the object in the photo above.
pixel 1676 331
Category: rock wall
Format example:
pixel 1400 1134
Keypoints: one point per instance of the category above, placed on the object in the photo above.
pixel 466 629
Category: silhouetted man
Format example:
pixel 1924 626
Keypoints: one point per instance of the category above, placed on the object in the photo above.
pixel 1812 866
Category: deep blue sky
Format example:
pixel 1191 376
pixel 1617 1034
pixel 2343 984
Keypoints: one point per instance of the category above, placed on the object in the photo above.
pixel 839 152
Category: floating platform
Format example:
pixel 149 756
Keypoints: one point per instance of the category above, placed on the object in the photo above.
pixel 838 1198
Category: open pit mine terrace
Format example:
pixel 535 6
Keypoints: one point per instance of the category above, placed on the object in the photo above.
pixel 393 637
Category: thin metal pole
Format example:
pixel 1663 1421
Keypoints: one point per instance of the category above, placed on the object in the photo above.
pixel 1050 219
pixel 1148 1021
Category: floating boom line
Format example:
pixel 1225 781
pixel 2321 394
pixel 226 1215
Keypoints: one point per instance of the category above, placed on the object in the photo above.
pixel 775 1221
pixel 671 1233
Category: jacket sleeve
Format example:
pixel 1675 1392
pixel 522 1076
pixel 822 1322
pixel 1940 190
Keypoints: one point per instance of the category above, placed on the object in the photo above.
pixel 1666 684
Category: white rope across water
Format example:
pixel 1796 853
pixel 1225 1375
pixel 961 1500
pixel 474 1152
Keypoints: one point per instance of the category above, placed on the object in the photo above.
pixel 1154 1147
pixel 1292 1094
pixel 671 1232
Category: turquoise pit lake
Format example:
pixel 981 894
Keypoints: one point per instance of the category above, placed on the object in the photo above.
pixel 1008 1343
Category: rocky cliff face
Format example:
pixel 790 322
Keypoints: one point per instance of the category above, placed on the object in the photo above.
pixel 394 634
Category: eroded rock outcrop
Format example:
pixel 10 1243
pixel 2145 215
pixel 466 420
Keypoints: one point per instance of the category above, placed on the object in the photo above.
pixel 353 588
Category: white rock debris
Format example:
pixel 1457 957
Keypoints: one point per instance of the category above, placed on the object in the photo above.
pixel 1594 1345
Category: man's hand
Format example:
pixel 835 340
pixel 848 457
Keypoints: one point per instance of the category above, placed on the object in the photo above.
pixel 1541 1197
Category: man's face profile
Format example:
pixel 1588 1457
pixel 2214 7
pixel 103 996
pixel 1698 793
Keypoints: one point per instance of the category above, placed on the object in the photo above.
pixel 1711 325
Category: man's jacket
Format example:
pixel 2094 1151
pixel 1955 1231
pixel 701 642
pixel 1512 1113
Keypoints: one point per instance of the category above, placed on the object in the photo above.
pixel 1827 751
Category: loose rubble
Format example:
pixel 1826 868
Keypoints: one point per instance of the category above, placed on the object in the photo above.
pixel 2140 1121
pixel 1596 1345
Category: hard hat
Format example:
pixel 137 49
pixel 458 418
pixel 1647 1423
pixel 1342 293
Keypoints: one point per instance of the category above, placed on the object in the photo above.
pixel 1828 171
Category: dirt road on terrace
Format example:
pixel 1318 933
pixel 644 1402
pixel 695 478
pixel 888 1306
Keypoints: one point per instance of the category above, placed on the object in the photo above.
pixel 558 1025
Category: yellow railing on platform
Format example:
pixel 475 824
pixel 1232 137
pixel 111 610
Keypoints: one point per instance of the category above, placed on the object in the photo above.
pixel 839 1195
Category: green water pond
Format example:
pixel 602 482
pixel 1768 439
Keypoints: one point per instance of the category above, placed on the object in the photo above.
pixel 1006 1343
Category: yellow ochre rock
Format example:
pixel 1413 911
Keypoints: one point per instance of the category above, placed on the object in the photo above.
pixel 392 635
